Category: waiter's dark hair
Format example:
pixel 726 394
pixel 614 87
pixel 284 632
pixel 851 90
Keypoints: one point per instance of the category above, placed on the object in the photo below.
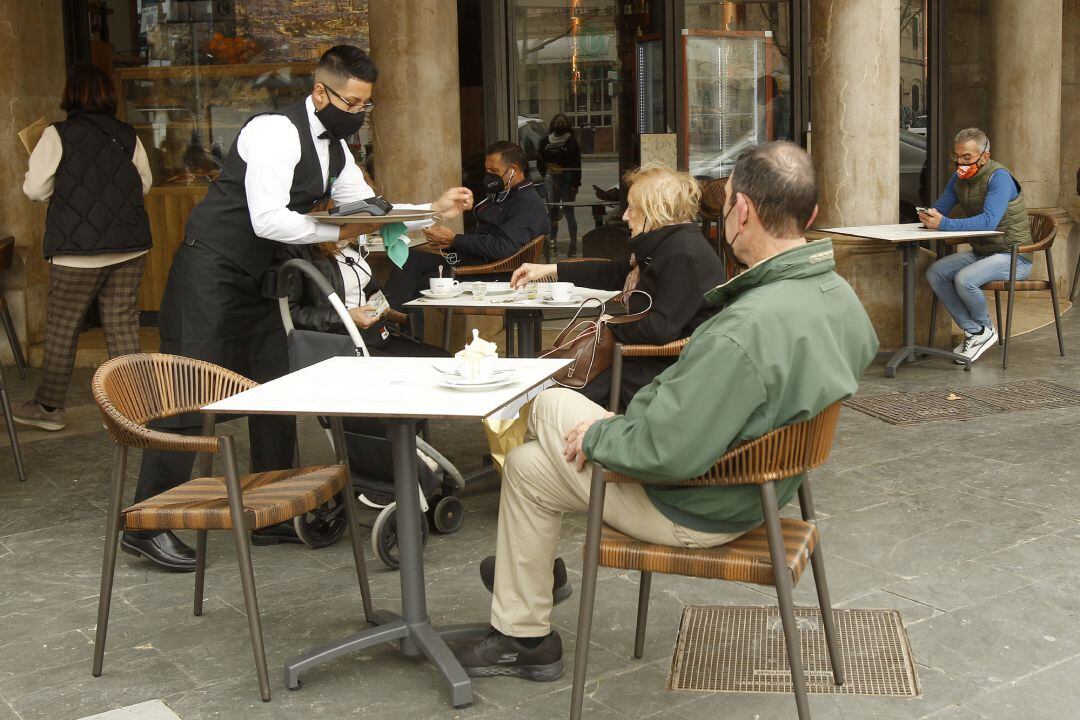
pixel 343 62
pixel 88 89
pixel 779 178
pixel 510 153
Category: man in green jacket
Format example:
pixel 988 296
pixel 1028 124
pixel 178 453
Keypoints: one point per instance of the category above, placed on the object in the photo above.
pixel 791 340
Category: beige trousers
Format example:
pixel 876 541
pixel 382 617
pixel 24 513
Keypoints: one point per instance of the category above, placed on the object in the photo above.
pixel 538 487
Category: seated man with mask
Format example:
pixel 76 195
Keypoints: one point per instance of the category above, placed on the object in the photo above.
pixel 512 214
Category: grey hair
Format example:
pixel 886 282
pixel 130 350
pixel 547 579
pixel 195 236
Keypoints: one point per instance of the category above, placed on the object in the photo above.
pixel 974 133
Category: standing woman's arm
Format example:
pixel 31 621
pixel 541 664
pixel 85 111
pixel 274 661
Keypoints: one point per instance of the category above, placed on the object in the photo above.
pixel 38 183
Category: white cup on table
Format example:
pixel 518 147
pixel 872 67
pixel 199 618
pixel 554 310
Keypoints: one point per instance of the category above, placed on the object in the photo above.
pixel 442 286
pixel 562 291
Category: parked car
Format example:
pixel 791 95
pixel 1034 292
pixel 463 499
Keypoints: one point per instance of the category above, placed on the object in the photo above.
pixel 920 125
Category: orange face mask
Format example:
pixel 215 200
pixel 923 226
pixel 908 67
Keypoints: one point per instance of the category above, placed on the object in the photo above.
pixel 966 172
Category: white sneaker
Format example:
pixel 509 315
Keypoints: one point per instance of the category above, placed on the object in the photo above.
pixel 975 345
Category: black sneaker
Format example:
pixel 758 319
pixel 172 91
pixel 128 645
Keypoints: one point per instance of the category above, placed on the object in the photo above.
pixel 560 589
pixel 498 655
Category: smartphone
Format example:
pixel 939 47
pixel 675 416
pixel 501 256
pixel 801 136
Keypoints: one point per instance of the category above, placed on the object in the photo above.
pixel 921 210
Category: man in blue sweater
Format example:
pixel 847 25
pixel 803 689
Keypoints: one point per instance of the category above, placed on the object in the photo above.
pixel 989 198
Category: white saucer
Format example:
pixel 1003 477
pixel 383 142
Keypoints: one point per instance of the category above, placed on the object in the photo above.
pixel 442 296
pixel 491 383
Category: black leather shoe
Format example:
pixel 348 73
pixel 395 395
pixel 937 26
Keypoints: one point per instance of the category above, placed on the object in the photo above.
pixel 163 549
pixel 275 535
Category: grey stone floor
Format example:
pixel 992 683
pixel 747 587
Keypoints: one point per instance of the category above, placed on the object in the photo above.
pixel 971 529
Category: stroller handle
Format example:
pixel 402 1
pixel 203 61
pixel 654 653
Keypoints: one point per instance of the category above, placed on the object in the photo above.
pixel 299 265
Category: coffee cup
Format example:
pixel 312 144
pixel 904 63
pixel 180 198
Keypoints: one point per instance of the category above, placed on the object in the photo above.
pixel 562 291
pixel 442 286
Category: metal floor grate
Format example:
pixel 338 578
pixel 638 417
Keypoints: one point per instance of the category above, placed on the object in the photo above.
pixel 741 650
pixel 911 408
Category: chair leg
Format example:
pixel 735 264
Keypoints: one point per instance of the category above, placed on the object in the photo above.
pixel 644 586
pixel 13 339
pixel 108 562
pixel 13 434
pixel 588 589
pixel 355 536
pixel 997 307
pixel 1054 300
pixel 1009 311
pixel 784 597
pixel 817 562
pixel 243 557
pixel 200 570
pixel 448 316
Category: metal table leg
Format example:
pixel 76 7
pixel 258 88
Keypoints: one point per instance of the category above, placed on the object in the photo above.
pixel 526 324
pixel 13 437
pixel 909 350
pixel 413 627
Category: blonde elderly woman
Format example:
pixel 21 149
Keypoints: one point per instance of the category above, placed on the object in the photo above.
pixel 669 259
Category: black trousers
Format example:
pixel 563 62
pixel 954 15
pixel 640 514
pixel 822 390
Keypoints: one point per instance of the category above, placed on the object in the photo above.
pixel 212 310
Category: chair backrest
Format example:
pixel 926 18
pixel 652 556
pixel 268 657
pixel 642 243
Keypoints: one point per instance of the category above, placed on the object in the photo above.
pixel 7 252
pixel 530 253
pixel 133 390
pixel 1043 231
pixel 785 452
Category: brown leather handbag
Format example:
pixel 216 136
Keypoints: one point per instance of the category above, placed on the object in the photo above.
pixel 589 343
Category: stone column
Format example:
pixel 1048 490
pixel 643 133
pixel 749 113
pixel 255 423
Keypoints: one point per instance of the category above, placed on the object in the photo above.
pixel 417 123
pixel 855 62
pixel 1025 94
pixel 32 55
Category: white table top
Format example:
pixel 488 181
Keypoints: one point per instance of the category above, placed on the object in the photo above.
pixel 387 387
pixel 465 300
pixel 906 232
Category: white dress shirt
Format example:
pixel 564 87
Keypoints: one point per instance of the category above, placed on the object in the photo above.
pixel 270 145
pixel 355 275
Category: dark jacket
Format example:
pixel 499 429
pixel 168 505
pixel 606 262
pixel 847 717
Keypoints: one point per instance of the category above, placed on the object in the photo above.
pixel 678 266
pixel 565 157
pixel 503 228
pixel 311 310
pixel 97 201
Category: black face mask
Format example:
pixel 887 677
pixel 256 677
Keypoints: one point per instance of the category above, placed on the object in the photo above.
pixel 495 184
pixel 338 123
pixel 561 129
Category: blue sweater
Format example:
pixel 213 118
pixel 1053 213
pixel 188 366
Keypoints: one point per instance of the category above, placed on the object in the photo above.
pixel 999 193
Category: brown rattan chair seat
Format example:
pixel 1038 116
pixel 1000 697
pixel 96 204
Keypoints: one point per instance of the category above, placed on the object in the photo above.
pixel 269 498
pixel 745 559
pixel 1003 285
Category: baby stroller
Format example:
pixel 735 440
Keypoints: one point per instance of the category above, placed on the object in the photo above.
pixel 369 451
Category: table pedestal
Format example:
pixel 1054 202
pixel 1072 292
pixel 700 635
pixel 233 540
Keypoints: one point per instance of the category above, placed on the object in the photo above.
pixel 909 351
pixel 413 627
pixel 527 326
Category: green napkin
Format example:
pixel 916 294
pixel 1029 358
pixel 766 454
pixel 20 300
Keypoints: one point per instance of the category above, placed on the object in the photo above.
pixel 395 242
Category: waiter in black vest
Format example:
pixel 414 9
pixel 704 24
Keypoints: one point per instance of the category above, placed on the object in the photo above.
pixel 214 307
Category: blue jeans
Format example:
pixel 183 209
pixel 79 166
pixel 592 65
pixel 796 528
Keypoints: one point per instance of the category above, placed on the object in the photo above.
pixel 957 280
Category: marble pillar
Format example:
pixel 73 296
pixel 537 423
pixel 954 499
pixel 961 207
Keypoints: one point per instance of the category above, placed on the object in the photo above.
pixel 855 60
pixel 32 55
pixel 1025 94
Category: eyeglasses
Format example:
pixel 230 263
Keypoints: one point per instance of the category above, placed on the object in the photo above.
pixel 353 107
pixel 964 159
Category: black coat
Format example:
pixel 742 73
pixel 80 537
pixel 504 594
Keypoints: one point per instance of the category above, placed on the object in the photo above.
pixel 678 266
pixel 566 155
pixel 503 228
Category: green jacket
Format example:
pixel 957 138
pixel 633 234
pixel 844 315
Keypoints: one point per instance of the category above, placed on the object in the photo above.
pixel 791 340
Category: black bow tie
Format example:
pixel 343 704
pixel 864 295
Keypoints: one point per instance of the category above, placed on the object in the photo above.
pixel 325 135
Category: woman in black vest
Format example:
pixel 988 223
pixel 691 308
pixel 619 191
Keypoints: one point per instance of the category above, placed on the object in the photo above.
pixel 559 160
pixel 93 171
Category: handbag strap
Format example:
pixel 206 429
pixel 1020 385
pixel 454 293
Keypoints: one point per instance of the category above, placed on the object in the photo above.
pixel 562 335
pixel 631 317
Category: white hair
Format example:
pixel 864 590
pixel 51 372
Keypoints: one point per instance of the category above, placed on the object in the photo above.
pixel 974 133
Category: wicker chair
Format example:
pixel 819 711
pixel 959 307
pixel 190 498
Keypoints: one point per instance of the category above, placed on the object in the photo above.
pixel 134 390
pixel 1043 233
pixel 671 349
pixel 531 253
pixel 753 558
pixel 7 255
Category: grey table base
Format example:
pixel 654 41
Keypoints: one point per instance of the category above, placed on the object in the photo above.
pixel 9 420
pixel 910 350
pixel 412 628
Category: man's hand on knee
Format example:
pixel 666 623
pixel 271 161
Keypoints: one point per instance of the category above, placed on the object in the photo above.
pixel 573 452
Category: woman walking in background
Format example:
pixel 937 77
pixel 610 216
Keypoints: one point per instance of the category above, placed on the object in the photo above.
pixel 559 160
pixel 93 171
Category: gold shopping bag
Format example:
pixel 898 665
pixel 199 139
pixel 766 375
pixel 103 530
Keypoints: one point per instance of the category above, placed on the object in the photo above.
pixel 505 434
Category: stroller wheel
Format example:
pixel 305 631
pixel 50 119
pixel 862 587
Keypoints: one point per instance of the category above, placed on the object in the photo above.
pixel 384 537
pixel 448 515
pixel 324 525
